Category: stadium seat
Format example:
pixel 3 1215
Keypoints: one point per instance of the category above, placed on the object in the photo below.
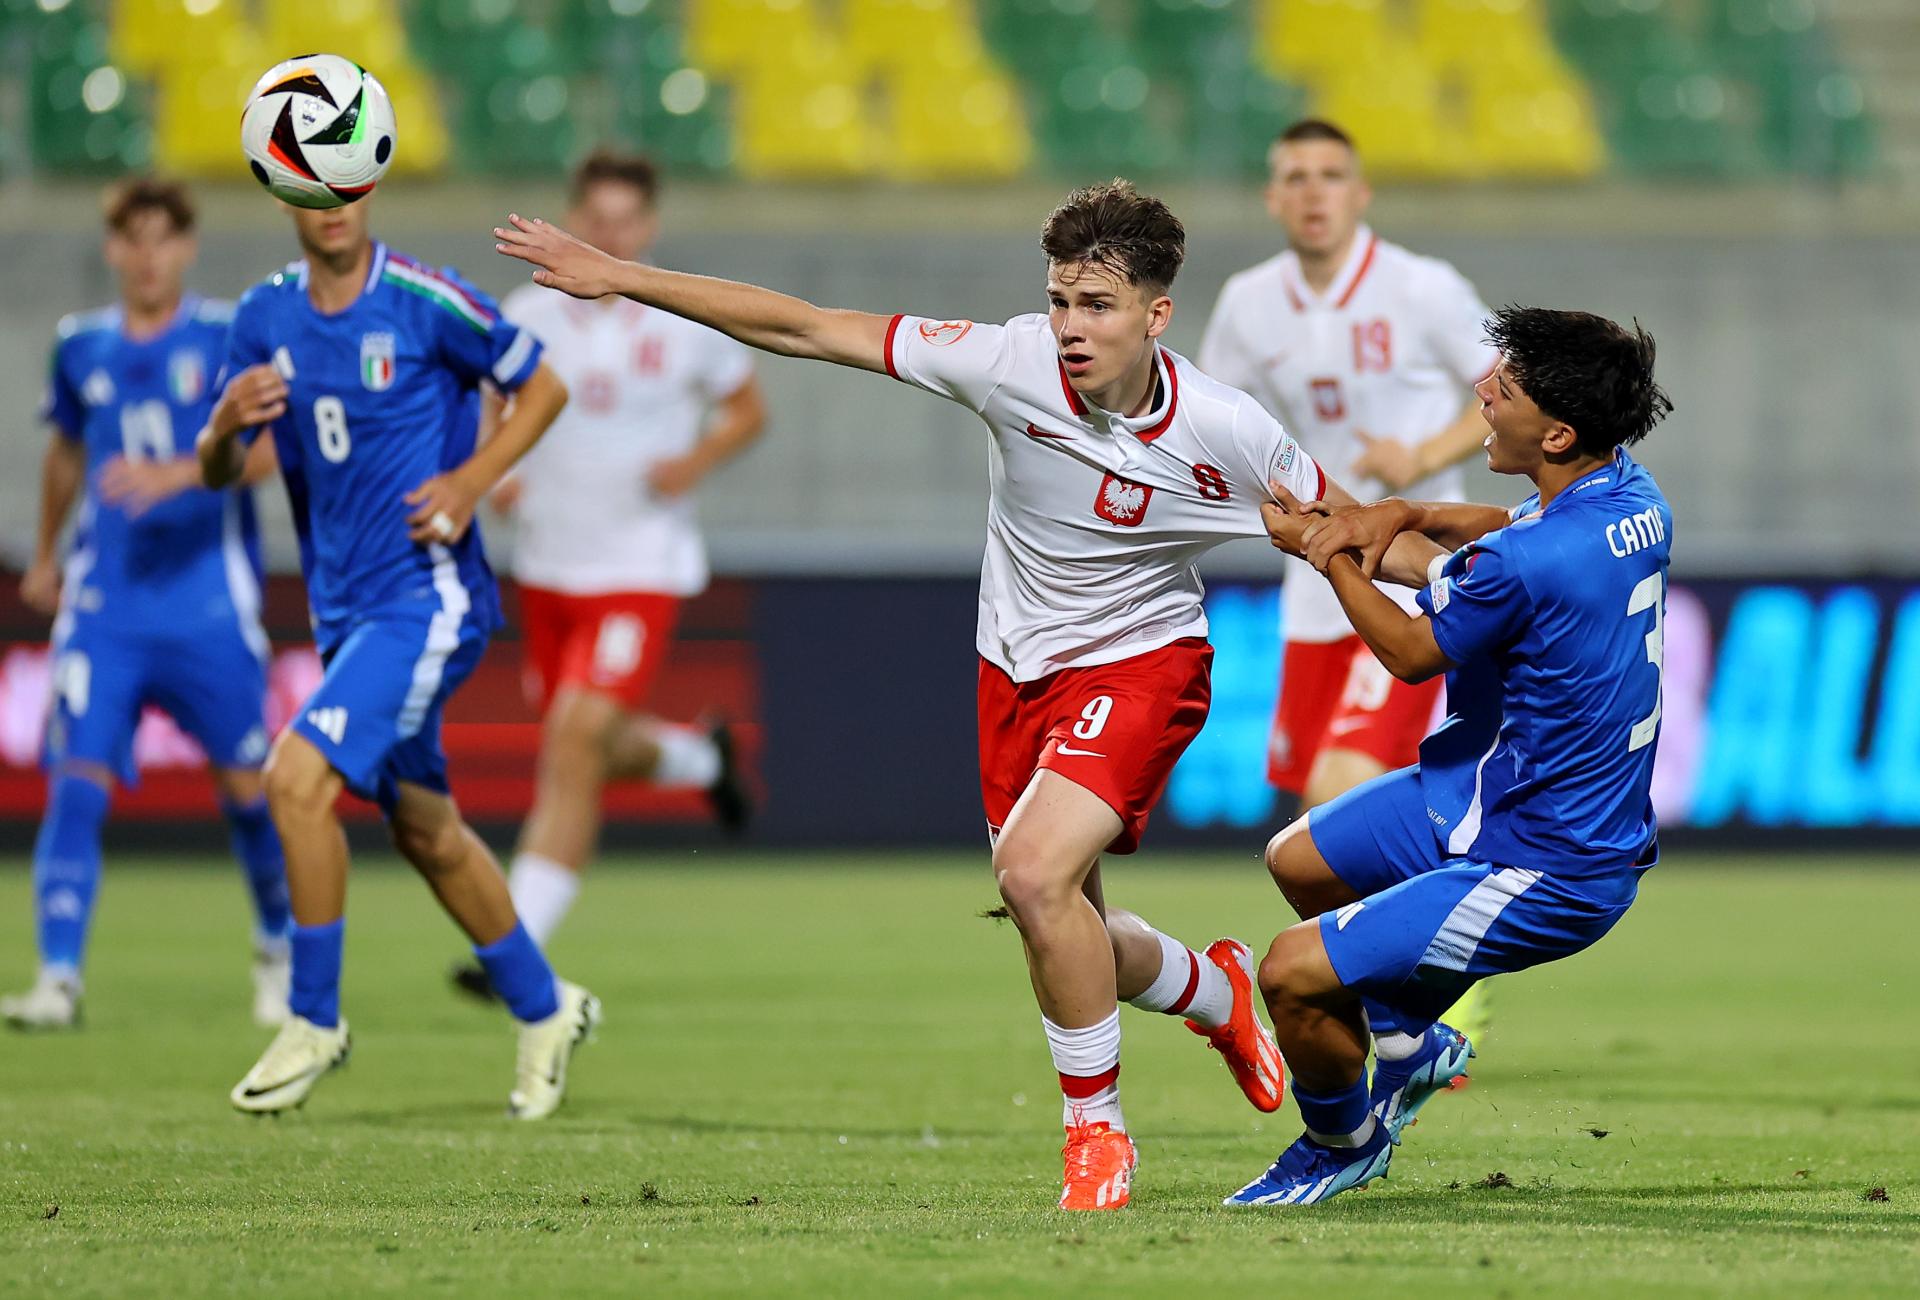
pixel 82 109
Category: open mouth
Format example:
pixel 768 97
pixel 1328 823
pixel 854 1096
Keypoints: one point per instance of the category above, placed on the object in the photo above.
pixel 1077 363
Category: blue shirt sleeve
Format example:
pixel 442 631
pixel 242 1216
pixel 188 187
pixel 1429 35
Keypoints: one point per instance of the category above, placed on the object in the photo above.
pixel 479 343
pixel 62 407
pixel 1479 602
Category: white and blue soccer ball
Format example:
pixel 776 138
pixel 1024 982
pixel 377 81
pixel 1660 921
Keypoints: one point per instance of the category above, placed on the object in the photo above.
pixel 318 131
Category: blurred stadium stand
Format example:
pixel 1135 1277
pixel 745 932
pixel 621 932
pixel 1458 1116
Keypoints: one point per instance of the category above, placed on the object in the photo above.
pixel 986 89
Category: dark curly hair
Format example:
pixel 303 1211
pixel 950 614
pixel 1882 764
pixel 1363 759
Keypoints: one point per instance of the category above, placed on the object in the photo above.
pixel 1583 370
pixel 1134 235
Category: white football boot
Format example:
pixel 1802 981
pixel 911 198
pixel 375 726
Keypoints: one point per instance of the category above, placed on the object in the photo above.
pixel 272 983
pixel 293 1062
pixel 52 1003
pixel 546 1046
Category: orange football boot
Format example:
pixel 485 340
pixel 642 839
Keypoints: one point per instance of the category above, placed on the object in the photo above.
pixel 1100 1161
pixel 1251 1053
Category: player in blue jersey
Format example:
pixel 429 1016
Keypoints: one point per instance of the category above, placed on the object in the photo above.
pixel 161 596
pixel 365 367
pixel 1521 835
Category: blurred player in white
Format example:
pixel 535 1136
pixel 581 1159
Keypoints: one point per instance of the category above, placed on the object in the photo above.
pixel 1114 465
pixel 1369 354
pixel 609 542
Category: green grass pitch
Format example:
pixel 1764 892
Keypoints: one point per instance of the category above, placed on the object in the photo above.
pixel 825 1075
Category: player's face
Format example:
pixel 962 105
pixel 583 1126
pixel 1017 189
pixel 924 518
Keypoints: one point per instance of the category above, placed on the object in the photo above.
pixel 615 218
pixel 1317 194
pixel 151 258
pixel 331 234
pixel 1103 326
pixel 1520 436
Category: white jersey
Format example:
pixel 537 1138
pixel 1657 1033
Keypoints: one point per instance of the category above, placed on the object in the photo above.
pixel 641 383
pixel 1095 521
pixel 1391 349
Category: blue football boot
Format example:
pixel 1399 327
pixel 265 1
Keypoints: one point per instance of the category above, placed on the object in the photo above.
pixel 1307 1172
pixel 1401 1088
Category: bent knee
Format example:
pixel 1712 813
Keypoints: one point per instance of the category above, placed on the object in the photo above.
pixel 1296 966
pixel 298 780
pixel 1302 874
pixel 1033 892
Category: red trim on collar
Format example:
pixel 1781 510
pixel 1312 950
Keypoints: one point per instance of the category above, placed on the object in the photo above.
pixel 1292 297
pixel 1373 242
pixel 892 327
pixel 1173 399
pixel 1074 403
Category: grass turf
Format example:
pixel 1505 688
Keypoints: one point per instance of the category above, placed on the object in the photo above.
pixel 818 1077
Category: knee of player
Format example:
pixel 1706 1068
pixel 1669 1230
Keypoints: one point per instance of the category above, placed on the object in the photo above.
pixel 298 781
pixel 1288 854
pixel 576 738
pixel 428 844
pixel 1283 969
pixel 1030 891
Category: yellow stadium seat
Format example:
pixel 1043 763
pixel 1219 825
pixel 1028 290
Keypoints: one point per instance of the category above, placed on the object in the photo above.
pixel 1302 38
pixel 965 126
pixel 149 36
pixel 723 35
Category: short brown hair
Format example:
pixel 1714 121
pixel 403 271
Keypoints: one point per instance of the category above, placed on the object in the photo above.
pixel 635 169
pixel 138 194
pixel 1314 128
pixel 1116 226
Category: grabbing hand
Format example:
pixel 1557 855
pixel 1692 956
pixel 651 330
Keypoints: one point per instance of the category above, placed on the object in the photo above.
pixel 1287 519
pixel 565 263
pixel 1387 460
pixel 40 587
pixel 1367 531
pixel 257 395
pixel 443 510
pixel 137 486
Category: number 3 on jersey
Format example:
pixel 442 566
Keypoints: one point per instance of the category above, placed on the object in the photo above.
pixel 330 428
pixel 1646 595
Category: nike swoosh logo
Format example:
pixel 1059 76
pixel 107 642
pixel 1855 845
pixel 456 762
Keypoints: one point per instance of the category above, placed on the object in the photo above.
pixel 1079 753
pixel 1045 436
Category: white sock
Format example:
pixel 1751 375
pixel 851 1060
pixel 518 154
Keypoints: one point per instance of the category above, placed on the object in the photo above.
pixel 1358 1138
pixel 688 759
pixel 1396 1046
pixel 60 972
pixel 542 892
pixel 1088 1061
pixel 273 947
pixel 1189 985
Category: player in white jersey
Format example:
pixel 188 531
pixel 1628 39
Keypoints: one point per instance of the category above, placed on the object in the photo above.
pixel 1114 465
pixel 1369 354
pixel 609 543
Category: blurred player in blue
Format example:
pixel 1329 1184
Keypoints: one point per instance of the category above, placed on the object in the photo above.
pixel 1520 836
pixel 161 596
pixel 365 367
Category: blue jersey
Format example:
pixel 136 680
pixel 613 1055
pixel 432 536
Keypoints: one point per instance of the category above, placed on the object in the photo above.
pixel 1555 623
pixel 193 558
pixel 382 396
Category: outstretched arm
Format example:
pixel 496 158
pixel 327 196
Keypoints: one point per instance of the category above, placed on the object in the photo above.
pixel 1403 643
pixel 760 318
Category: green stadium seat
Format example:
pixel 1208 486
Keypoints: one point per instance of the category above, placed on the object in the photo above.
pixel 83 115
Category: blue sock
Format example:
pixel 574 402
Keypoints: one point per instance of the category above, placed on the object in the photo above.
pixel 520 975
pixel 66 867
pixel 257 847
pixel 316 972
pixel 1339 1114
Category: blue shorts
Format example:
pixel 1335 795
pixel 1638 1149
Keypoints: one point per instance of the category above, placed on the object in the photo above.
pixel 1428 925
pixel 210 679
pixel 376 713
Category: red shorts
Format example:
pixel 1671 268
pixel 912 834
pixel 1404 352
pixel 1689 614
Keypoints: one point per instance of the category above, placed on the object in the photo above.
pixel 613 644
pixel 1116 729
pixel 1336 695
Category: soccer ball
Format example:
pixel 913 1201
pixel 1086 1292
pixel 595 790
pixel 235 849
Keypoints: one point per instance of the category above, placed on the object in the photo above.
pixel 318 131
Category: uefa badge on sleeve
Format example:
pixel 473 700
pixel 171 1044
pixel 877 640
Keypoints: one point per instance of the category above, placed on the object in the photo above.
pixel 376 362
